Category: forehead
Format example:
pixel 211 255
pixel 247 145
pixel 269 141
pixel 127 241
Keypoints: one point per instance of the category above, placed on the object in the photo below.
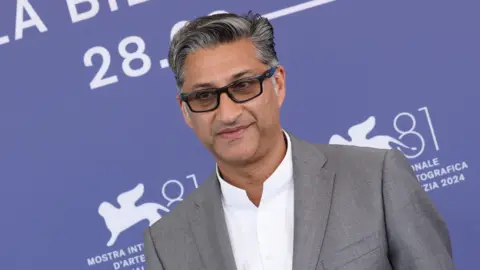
pixel 216 65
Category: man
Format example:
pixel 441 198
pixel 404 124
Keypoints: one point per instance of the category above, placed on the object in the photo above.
pixel 275 201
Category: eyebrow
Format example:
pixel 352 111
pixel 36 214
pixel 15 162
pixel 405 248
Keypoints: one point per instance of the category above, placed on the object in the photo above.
pixel 232 78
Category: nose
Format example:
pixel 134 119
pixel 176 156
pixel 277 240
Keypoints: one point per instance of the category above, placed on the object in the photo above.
pixel 228 110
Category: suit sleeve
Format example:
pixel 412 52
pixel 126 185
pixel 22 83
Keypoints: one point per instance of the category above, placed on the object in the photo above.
pixel 152 258
pixel 418 237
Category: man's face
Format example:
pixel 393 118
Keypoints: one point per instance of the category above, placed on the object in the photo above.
pixel 234 132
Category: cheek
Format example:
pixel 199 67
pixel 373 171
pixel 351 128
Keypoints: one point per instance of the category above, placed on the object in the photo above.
pixel 269 103
pixel 201 124
pixel 265 109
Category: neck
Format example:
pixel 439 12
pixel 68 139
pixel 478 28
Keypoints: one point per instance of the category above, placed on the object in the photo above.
pixel 251 177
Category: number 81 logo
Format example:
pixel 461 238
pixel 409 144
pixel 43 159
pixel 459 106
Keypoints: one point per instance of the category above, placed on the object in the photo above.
pixel 411 131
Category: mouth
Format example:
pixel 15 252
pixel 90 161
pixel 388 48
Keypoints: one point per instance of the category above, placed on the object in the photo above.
pixel 233 133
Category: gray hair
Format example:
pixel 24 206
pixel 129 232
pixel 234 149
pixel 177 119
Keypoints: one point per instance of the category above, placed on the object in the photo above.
pixel 209 31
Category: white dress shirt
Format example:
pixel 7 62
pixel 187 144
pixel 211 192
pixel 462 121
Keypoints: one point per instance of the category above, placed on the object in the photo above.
pixel 262 238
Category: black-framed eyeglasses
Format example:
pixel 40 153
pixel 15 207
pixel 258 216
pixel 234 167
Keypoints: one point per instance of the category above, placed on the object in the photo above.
pixel 239 91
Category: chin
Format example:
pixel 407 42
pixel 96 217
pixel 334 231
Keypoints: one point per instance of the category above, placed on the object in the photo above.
pixel 239 150
pixel 237 154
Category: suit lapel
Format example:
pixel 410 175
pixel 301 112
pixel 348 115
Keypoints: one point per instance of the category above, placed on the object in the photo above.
pixel 210 230
pixel 313 186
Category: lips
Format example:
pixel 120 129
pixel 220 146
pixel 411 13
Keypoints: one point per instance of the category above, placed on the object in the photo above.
pixel 231 130
pixel 232 133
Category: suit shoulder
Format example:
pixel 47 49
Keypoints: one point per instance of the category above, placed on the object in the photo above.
pixel 350 153
pixel 177 218
pixel 359 173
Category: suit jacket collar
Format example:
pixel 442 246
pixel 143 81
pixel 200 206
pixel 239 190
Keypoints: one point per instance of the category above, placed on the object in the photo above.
pixel 312 192
pixel 313 188
pixel 209 227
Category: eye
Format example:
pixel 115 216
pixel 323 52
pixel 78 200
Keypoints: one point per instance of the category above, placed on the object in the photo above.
pixel 242 85
pixel 203 95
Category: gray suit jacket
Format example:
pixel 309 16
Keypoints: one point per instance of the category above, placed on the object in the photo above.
pixel 355 208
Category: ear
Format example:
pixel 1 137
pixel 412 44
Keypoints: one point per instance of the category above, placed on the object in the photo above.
pixel 185 111
pixel 279 78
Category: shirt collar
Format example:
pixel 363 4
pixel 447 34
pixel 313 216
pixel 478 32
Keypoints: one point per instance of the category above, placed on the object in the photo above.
pixel 276 183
